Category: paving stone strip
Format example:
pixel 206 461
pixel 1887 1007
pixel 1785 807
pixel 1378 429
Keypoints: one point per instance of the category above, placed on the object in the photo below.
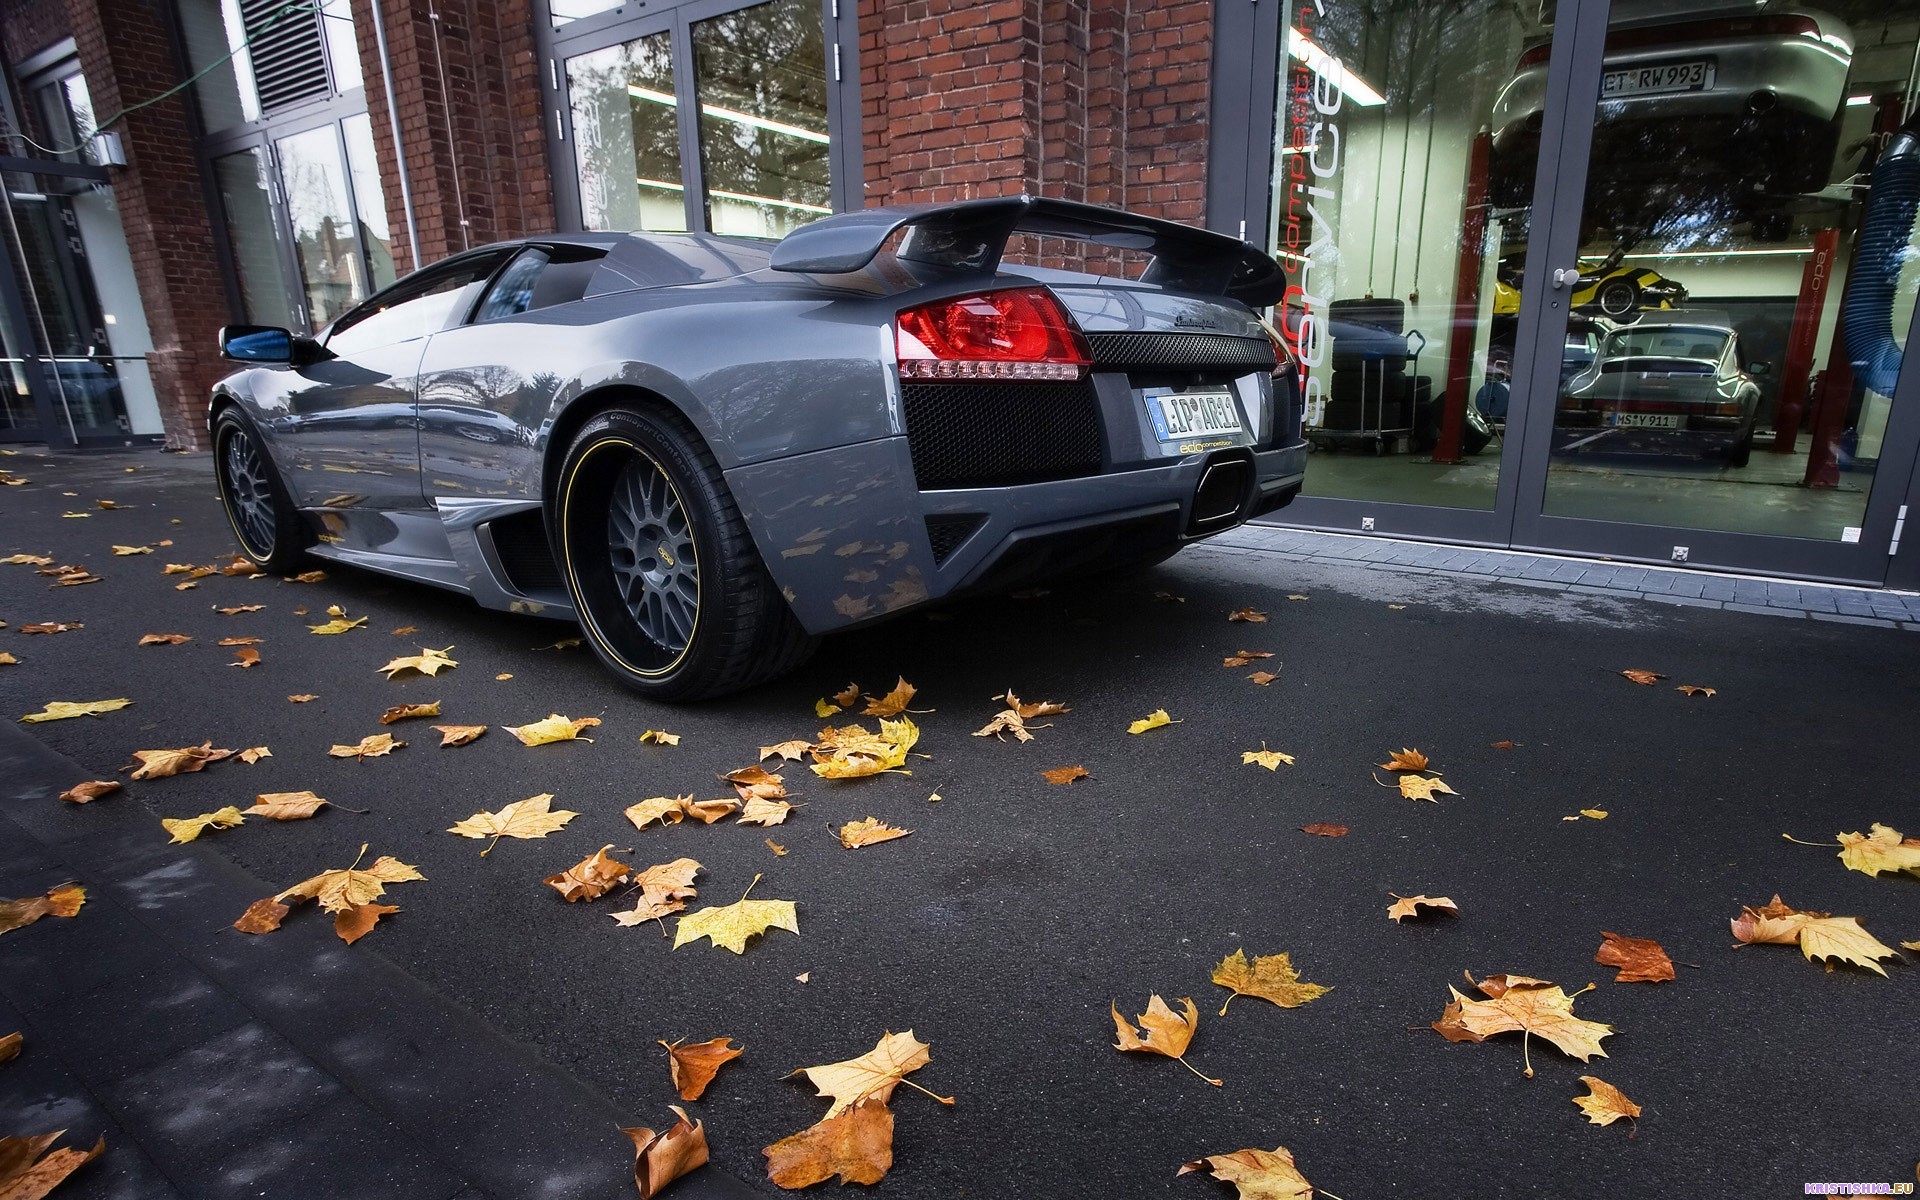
pixel 294 1066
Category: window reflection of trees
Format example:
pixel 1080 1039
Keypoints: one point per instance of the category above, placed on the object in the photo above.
pixel 769 62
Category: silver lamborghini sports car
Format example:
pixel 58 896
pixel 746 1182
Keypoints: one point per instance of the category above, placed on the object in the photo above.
pixel 709 450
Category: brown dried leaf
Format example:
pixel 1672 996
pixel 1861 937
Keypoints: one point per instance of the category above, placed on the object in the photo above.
pixel 286 806
pixel 402 712
pixel 1607 1103
pixel 1162 1031
pixel 1692 689
pixel 262 916
pixel 374 745
pixel 665 888
pixel 302 698
pixel 52 627
pixel 244 657
pixel 856 1145
pixel 1645 678
pixel 1269 976
pixel 1253 616
pixel 868 831
pixel 693 1067
pixel 236 609
pixel 61 900
pixel 893 703
pixel 10 1047
pixel 459 735
pixel 159 764
pixel 1323 829
pixel 1518 1004
pixel 590 878
pixel 81 793
pixel 1406 760
pixel 28 1171
pixel 356 921
pixel 1256 1174
pixel 1641 960
pixel 660 1158
pixel 1263 678
pixel 1061 775
pixel 237 641
pixel 1241 658
pixel 165 639
pixel 1410 906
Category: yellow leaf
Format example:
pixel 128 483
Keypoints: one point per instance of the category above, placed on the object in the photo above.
pixel 1162 1031
pixel 590 878
pixel 339 624
pixel 374 745
pixel 1418 787
pixel 659 737
pixel 286 806
pixel 1410 906
pixel 1842 938
pixel 427 662
pixel 664 888
pixel 1270 977
pixel 91 790
pixel 851 752
pixel 8 660
pixel 823 710
pixel 873 1075
pixel 868 831
pixel 780 851
pixel 793 751
pixel 28 560
pixel 555 728
pixel 1152 720
pixel 401 712
pixel 893 703
pixel 1607 1104
pixel 529 818
pixel 253 754
pixel 1594 814
pixel 350 887
pixel 61 710
pixel 301 699
pixel 159 764
pixel 765 812
pixel 126 551
pixel 1517 1004
pixel 1406 760
pixel 731 925
pixel 188 828
pixel 459 735
pixel 1256 1174
pixel 1879 851
pixel 660 808
pixel 1270 759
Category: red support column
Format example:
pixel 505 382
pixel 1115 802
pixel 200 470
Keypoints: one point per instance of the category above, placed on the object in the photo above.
pixel 1805 331
pixel 1466 304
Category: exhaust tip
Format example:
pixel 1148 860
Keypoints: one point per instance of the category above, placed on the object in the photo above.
pixel 1762 102
pixel 1221 495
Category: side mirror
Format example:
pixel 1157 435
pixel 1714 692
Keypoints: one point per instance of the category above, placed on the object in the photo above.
pixel 1759 368
pixel 256 343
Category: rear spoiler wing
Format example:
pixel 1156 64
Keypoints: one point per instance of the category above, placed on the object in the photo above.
pixel 971 235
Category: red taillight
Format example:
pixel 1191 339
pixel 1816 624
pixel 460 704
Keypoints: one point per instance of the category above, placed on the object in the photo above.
pixel 1020 333
pixel 1537 56
pixel 1283 359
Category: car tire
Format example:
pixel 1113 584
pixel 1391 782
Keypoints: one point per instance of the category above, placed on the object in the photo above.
pixel 1741 452
pixel 264 519
pixel 1617 298
pixel 672 595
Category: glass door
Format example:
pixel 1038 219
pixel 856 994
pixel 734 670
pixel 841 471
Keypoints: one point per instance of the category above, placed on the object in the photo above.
pixel 1734 296
pixel 1404 143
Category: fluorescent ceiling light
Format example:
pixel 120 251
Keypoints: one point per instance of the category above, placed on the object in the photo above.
pixel 743 197
pixel 1770 252
pixel 1858 101
pixel 728 114
pixel 1331 69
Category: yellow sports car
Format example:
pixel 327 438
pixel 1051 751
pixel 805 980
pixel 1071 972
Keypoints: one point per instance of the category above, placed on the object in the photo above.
pixel 1618 294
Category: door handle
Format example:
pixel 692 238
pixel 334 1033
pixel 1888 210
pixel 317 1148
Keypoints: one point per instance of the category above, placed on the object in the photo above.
pixel 1565 277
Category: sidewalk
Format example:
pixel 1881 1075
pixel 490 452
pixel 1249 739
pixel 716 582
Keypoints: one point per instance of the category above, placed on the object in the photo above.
pixel 293 1066
pixel 1663 585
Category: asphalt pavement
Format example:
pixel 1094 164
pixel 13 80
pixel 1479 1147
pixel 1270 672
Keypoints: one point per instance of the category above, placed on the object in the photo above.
pixel 1017 911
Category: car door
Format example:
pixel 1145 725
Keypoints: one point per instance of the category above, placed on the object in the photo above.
pixel 486 386
pixel 347 430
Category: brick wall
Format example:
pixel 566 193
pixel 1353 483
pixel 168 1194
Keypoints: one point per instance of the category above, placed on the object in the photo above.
pixel 30 26
pixel 1098 100
pixel 475 147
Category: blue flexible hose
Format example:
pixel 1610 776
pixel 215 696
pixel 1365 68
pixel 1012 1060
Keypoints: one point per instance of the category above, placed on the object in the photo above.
pixel 1866 319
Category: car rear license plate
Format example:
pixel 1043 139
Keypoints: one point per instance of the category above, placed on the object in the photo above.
pixel 1645 420
pixel 1652 80
pixel 1195 414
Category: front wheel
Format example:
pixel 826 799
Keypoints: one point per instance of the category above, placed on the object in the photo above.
pixel 258 507
pixel 671 593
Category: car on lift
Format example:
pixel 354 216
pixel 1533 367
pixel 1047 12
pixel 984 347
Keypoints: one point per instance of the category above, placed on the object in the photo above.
pixel 708 451
pixel 1741 95
pixel 1672 384
pixel 1619 294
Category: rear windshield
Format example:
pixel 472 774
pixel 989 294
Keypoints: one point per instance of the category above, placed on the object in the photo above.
pixel 1669 341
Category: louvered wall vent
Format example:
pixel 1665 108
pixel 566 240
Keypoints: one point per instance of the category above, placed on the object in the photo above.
pixel 289 61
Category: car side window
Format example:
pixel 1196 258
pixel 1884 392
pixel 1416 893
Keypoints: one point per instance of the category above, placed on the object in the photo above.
pixel 540 278
pixel 512 293
pixel 412 309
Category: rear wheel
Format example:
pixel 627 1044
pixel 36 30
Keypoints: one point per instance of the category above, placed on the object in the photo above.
pixel 671 593
pixel 258 507
pixel 1741 452
pixel 1618 298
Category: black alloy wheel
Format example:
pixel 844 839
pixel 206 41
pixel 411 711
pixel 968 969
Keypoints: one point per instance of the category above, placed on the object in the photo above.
pixel 671 593
pixel 263 517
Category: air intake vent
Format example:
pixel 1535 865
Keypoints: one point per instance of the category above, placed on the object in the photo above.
pixel 947 530
pixel 289 60
pixel 973 435
pixel 520 541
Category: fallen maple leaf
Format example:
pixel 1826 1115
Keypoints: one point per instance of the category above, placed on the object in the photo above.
pixel 1152 720
pixel 1263 678
pixel 315 576
pixel 757 783
pixel 779 851
pixel 1241 658
pixel 1419 787
pixel 186 829
pixel 128 551
pixel 1256 1174
pixel 523 819
pixel 1406 760
pixel 26 1175
pixel 301 699
pixel 28 560
pixel 693 1067
pixel 856 1145
pixel 286 806
pixel 374 745
pixel 1250 615
pixel 1517 1003
pixel 793 751
pixel 660 1158
pixel 1881 850
pixel 159 764
pixel 591 878
pixel 729 926
pixel 663 809
pixel 165 639
pixel 61 710
pixel 348 893
pixel 1410 906
pixel 1325 829
pixel 235 641
pixel 402 712
pixel 1269 976
pixel 52 627
pixel 61 900
pixel 427 662
pixel 555 728
pixel 850 752
pixel 1641 960
pixel 236 609
pixel 893 703
pixel 352 924
pixel 1690 689
pixel 245 657
pixel 709 811
pixel 824 710
pixel 659 737
pixel 764 812
pixel 1645 678
pixel 1007 721
pixel 10 1047
pixel 1065 774
pixel 664 889
pixel 873 1075
pixel 1270 759
pixel 868 831
pixel 1162 1032
pixel 1774 923
pixel 81 793
pixel 1607 1103
pixel 459 735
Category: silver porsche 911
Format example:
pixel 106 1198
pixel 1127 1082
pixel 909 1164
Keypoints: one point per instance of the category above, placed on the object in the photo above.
pixel 708 451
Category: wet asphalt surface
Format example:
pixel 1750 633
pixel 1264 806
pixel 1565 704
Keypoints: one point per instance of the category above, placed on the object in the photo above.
pixel 1002 928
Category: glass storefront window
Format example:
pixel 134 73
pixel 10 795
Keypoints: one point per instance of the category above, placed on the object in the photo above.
pixel 247 204
pixel 326 244
pixel 566 12
pixel 626 136
pixel 306 51
pixel 343 49
pixel 1402 230
pixel 1722 241
pixel 764 150
pixel 363 169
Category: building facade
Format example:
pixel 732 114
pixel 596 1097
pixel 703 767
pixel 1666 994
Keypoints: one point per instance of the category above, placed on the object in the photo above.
pixel 1631 279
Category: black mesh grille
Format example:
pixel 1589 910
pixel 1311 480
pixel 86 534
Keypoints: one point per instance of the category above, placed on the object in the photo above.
pixel 948 530
pixel 521 543
pixel 1182 351
pixel 993 434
